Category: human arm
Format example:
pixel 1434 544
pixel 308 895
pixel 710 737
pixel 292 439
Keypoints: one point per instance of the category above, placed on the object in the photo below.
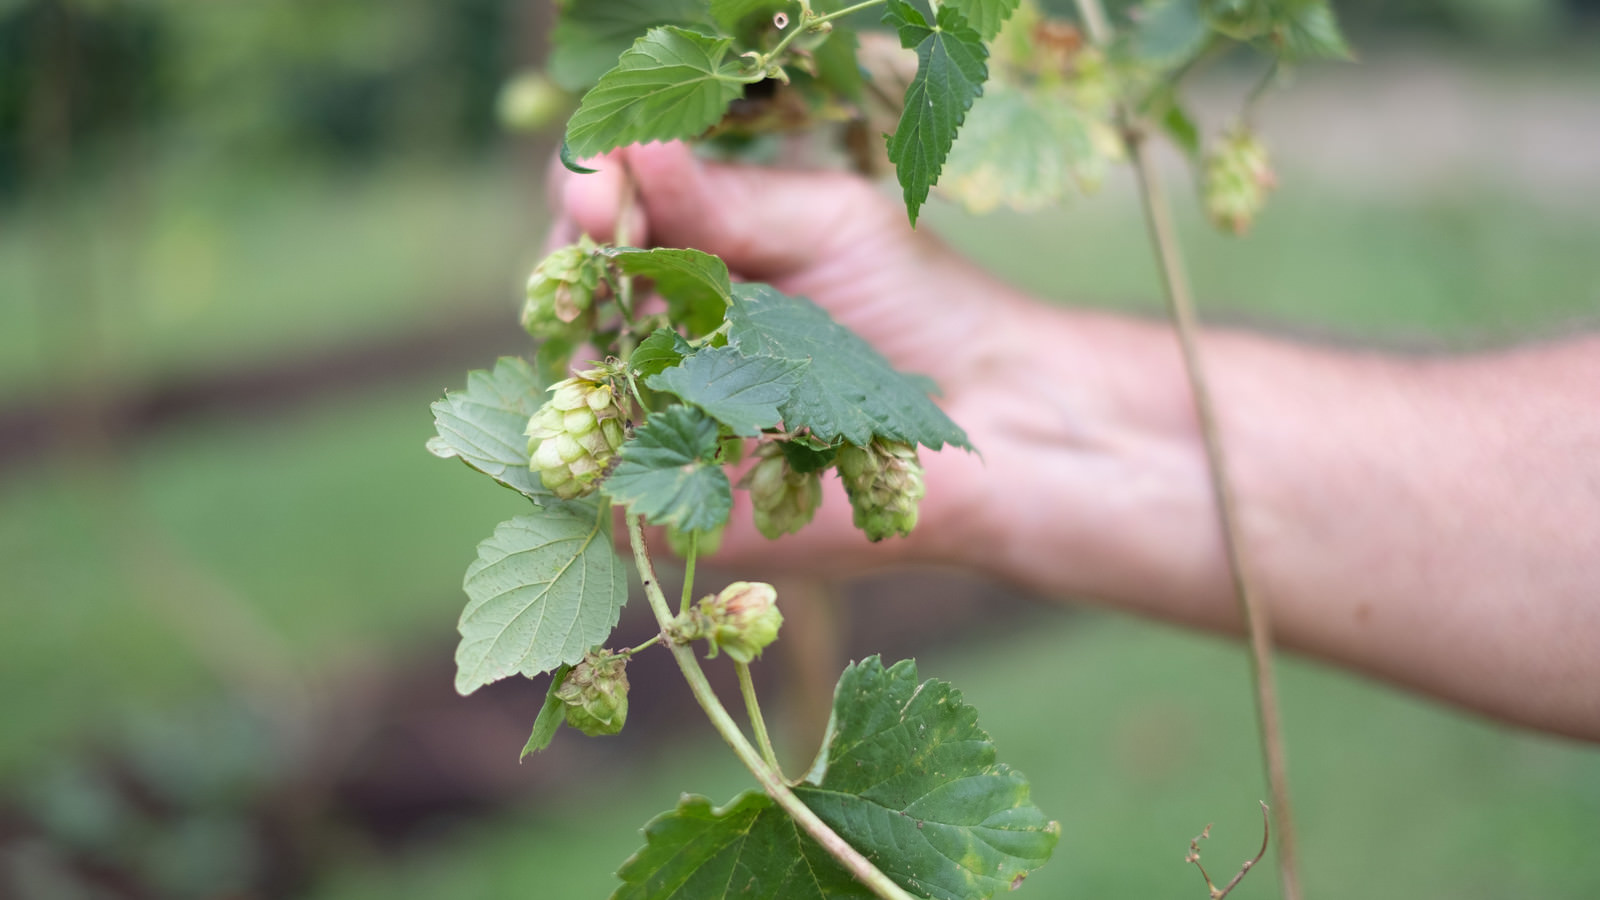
pixel 1435 522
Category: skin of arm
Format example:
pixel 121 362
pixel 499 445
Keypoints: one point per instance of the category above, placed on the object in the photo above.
pixel 1434 522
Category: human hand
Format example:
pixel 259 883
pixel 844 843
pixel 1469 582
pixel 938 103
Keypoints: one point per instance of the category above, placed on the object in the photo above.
pixel 1036 389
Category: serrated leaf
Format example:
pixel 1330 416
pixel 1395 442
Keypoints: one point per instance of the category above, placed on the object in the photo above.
pixel 1308 29
pixel 589 36
pixel 985 16
pixel 1170 33
pixel 663 349
pixel 1024 149
pixel 551 715
pixel 543 590
pixel 748 849
pixel 950 75
pixel 484 425
pixel 910 780
pixel 849 391
pixel 741 392
pixel 907 778
pixel 694 284
pixel 669 473
pixel 671 84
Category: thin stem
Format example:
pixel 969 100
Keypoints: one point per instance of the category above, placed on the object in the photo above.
pixel 644 646
pixel 747 687
pixel 770 778
pixel 1181 307
pixel 688 572
pixel 804 25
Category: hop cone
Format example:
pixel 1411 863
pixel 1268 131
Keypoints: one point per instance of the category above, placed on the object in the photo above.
pixel 573 437
pixel 741 620
pixel 562 289
pixel 884 481
pixel 595 693
pixel 784 500
pixel 1238 177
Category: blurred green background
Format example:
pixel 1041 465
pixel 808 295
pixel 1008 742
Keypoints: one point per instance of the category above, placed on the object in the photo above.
pixel 243 245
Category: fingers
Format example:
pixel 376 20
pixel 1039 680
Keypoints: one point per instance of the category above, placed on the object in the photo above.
pixel 764 223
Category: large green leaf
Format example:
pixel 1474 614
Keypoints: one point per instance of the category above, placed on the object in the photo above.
pixel 694 284
pixel 950 75
pixel 543 590
pixel 669 472
pixel 910 780
pixel 741 392
pixel 484 426
pixel 985 16
pixel 671 84
pixel 849 391
pixel 748 849
pixel 590 35
pixel 907 777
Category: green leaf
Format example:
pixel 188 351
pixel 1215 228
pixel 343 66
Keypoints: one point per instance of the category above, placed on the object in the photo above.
pixel 671 84
pixel 849 391
pixel 741 392
pixel 730 14
pixel 907 778
pixel 694 284
pixel 1170 32
pixel 669 473
pixel 590 35
pixel 950 75
pixel 543 590
pixel 1308 29
pixel 550 717
pixel 1025 149
pixel 663 349
pixel 484 425
pixel 749 849
pixel 910 780
pixel 985 16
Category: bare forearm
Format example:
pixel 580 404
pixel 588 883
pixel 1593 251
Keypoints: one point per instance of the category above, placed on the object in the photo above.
pixel 1435 522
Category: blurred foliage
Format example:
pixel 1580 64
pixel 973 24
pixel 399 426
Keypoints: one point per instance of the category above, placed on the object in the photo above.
pixel 250 81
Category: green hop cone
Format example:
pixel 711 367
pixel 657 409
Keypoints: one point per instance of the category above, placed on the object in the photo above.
pixel 573 437
pixel 595 693
pixel 784 500
pixel 1238 176
pixel 884 481
pixel 561 291
pixel 741 621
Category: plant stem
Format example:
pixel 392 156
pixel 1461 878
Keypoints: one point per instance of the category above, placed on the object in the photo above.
pixel 1180 305
pixel 801 27
pixel 688 572
pixel 644 646
pixel 770 778
pixel 752 706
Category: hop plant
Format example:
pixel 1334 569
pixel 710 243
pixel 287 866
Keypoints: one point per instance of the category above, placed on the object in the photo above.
pixel 741 620
pixel 595 693
pixel 884 481
pixel 561 289
pixel 573 437
pixel 1238 176
pixel 785 500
